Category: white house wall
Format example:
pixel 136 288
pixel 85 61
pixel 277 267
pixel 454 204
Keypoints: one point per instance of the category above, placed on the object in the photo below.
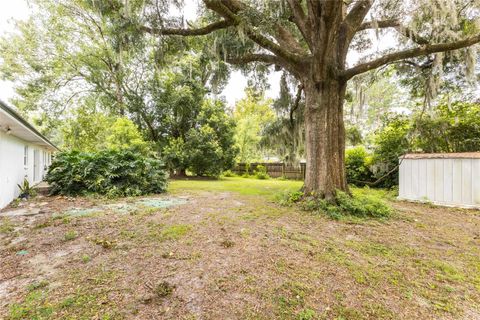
pixel 12 168
pixel 445 181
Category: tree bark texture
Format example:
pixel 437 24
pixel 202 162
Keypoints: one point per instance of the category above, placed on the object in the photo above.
pixel 325 139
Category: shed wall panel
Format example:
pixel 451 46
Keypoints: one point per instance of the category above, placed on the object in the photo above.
pixel 457 181
pixel 430 181
pixel 439 179
pixel 448 181
pixel 476 182
pixel 467 181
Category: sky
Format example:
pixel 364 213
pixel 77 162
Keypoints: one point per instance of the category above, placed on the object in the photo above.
pixel 11 10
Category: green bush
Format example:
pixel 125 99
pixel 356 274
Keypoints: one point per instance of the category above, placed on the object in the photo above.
pixel 208 148
pixel 391 141
pixel 261 173
pixel 229 173
pixel 112 173
pixel 359 205
pixel 357 164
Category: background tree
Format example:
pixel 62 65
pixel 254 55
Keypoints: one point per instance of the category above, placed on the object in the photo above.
pixel 208 146
pixel 311 40
pixel 252 114
pixel 110 72
pixel 286 134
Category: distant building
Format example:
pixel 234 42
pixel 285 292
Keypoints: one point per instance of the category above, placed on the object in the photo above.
pixel 24 154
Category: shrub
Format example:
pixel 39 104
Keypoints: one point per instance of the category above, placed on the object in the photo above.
pixel 289 198
pixel 391 141
pixel 261 172
pixel 26 190
pixel 357 164
pixel 360 205
pixel 112 173
pixel 229 173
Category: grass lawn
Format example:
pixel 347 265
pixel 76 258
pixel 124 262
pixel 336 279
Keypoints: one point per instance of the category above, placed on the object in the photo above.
pixel 244 186
pixel 226 249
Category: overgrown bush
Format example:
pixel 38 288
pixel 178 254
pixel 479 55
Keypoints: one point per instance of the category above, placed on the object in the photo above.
pixel 391 142
pixel 357 164
pixel 261 172
pixel 359 205
pixel 112 173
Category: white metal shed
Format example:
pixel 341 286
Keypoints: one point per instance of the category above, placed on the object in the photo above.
pixel 451 179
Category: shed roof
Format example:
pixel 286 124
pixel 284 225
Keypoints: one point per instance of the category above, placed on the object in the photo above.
pixel 19 127
pixel 457 155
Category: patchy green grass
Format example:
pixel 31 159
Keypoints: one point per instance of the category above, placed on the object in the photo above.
pixel 88 301
pixel 70 235
pixel 244 186
pixel 160 232
pixel 231 240
pixel 6 226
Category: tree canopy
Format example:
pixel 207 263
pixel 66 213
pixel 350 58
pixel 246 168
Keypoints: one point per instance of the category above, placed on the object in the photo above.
pixel 140 60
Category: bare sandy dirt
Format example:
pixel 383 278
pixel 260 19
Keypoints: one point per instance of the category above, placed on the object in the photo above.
pixel 222 255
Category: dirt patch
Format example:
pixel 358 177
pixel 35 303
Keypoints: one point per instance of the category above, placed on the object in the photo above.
pixel 221 255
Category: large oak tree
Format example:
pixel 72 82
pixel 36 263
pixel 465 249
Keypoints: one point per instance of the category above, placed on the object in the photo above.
pixel 311 39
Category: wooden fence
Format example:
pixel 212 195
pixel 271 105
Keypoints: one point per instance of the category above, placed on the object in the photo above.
pixel 274 169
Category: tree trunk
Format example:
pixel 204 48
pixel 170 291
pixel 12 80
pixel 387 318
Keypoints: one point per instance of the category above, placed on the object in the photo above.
pixel 325 138
pixel 181 173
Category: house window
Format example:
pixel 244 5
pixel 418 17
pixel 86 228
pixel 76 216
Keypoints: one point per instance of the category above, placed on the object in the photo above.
pixel 25 156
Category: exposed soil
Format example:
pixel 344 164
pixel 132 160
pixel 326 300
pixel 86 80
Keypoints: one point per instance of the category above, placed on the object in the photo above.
pixel 227 256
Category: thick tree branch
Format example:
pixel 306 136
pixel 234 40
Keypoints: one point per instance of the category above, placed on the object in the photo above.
pixel 391 23
pixel 409 53
pixel 355 17
pixel 285 38
pixel 394 23
pixel 296 104
pixel 300 20
pixel 254 57
pixel 188 32
pixel 223 8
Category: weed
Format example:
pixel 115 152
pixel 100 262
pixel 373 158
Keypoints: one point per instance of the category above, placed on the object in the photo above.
pixel 307 314
pixel 37 285
pixel 290 297
pixel 358 205
pixel 15 203
pixel 164 289
pixel 86 258
pixel 26 190
pixel 289 198
pixel 35 306
pixel 104 243
pixel 227 243
pixel 43 224
pixel 172 232
pixel 70 235
pixel 6 226
pixel 447 272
